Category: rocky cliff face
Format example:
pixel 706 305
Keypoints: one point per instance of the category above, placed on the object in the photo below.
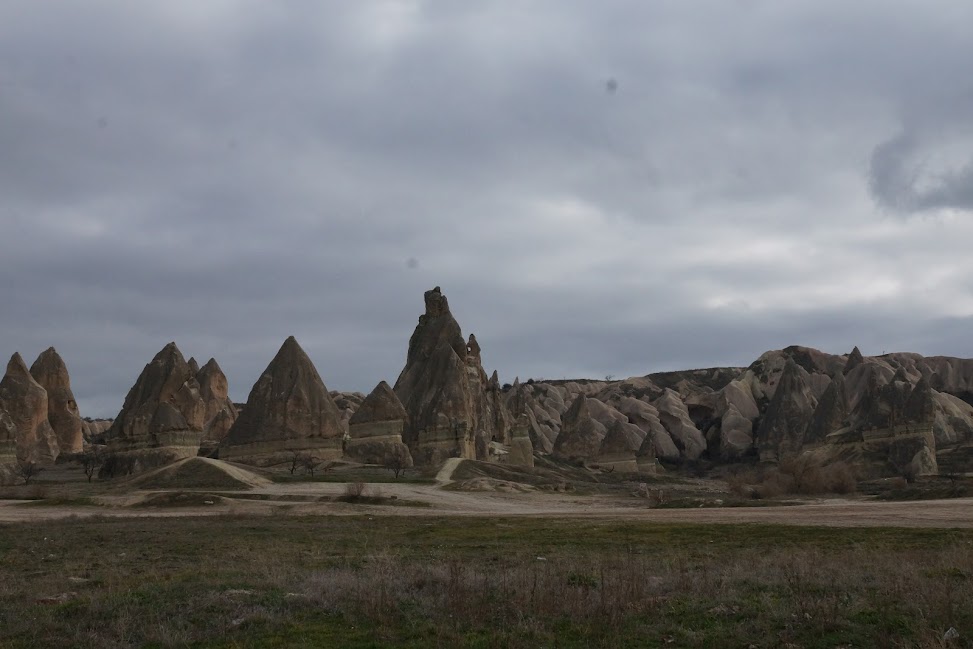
pixel 452 409
pixel 51 373
pixel 24 417
pixel 289 409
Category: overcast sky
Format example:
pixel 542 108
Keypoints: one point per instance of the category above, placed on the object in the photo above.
pixel 599 187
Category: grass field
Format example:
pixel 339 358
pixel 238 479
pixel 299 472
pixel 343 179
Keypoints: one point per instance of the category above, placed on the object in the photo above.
pixel 283 581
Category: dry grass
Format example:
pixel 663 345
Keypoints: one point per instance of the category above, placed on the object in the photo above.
pixel 794 476
pixel 376 582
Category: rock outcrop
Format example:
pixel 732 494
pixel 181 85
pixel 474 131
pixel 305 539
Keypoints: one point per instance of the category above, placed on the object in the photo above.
pixel 162 419
pixel 581 435
pixel 618 448
pixel 24 404
pixel 831 413
pixel 783 426
pixel 674 416
pixel 219 412
pixel 375 430
pixel 446 392
pixel 51 373
pixel 289 409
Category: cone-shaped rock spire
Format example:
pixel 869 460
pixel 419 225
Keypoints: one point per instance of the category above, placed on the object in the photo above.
pixel 289 409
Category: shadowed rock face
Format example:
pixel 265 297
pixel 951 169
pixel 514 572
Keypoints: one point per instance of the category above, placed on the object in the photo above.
pixel 163 408
pixel 375 430
pixel 831 412
pixel 674 416
pixel 289 408
pixel 25 405
pixel 219 411
pixel 788 415
pixel 855 359
pixel 447 395
pixel 62 410
pixel 581 435
pixel 379 406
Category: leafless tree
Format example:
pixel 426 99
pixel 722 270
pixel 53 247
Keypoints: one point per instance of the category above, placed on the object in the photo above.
pixel 28 469
pixel 396 461
pixel 310 464
pixel 91 461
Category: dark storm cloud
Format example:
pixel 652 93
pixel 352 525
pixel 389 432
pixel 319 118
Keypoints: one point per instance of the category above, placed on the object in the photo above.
pixel 226 174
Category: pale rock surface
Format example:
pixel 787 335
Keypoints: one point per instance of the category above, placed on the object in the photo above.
pixel 25 403
pixel 51 373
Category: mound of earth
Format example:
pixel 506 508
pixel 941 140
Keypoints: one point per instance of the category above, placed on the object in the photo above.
pixel 200 473
pixel 490 484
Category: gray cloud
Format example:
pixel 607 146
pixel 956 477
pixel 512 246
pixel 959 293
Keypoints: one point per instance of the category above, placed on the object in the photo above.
pixel 225 175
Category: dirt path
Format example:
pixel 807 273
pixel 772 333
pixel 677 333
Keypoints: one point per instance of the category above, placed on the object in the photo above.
pixel 445 475
pixel 446 502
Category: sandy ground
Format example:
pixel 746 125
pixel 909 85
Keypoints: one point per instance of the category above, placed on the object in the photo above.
pixel 445 502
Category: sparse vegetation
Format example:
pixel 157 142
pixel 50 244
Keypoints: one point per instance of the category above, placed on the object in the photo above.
pixel 794 476
pixel 28 469
pixel 397 461
pixel 403 582
pixel 91 461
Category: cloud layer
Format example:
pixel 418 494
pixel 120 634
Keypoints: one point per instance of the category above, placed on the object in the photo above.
pixel 599 188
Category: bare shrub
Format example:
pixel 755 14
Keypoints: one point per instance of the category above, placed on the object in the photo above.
pixel 801 475
pixel 310 464
pixel 91 461
pixel 396 461
pixel 355 490
pixel 28 469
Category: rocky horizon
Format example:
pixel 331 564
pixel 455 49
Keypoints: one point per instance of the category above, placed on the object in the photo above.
pixel 895 414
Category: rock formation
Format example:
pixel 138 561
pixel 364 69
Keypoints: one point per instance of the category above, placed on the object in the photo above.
pixel 375 430
pixel 162 419
pixel 619 447
pixel 855 359
pixel 24 403
pixel 675 418
pixel 289 409
pixel 831 413
pixel 521 449
pixel 219 412
pixel 783 426
pixel 581 435
pixel 445 391
pixel 51 373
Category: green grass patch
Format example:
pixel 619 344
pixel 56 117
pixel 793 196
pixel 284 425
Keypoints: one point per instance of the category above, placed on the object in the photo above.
pixel 376 581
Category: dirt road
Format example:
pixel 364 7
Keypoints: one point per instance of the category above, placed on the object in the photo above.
pixel 437 501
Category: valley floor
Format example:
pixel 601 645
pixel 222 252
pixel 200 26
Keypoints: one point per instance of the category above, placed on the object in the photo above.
pixel 428 500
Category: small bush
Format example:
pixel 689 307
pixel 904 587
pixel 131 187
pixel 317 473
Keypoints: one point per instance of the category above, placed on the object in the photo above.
pixel 794 475
pixel 355 490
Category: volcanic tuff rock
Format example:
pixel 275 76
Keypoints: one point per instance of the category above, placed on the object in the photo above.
pixel 219 411
pixel 675 418
pixel 855 359
pixel 163 416
pixel 786 420
pixel 289 409
pixel 445 391
pixel 62 410
pixel 163 407
pixel 25 404
pixel 375 430
pixel 619 447
pixel 831 412
pixel 581 435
